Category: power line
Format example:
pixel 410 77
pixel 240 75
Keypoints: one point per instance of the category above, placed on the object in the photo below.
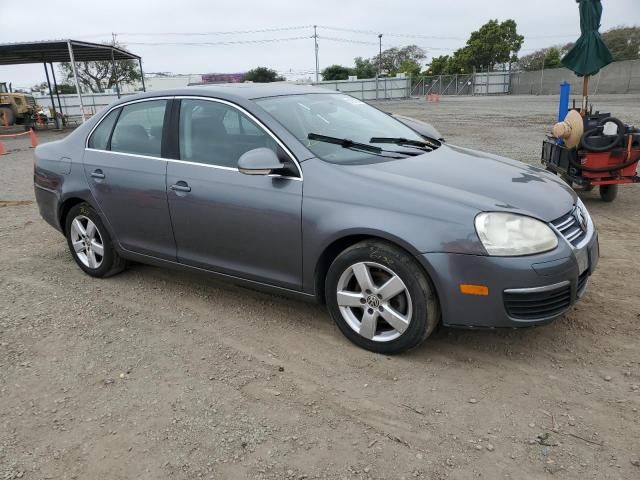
pixel 225 32
pixel 210 44
pixel 386 34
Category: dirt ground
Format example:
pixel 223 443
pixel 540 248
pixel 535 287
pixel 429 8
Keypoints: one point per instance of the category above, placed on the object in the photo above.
pixel 157 374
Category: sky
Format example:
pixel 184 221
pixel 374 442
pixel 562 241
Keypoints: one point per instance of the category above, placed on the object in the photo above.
pixel 159 30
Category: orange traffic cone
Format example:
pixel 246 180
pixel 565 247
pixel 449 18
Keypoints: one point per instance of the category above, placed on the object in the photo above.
pixel 34 139
pixel 2 150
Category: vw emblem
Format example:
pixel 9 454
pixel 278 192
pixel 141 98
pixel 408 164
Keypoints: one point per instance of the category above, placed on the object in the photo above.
pixel 373 301
pixel 580 218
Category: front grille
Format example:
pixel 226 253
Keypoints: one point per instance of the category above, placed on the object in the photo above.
pixel 570 227
pixel 582 282
pixel 30 100
pixel 537 305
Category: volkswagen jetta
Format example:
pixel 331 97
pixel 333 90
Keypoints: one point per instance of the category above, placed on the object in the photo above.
pixel 317 194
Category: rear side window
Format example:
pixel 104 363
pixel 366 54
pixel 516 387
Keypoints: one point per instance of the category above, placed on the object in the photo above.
pixel 100 137
pixel 139 128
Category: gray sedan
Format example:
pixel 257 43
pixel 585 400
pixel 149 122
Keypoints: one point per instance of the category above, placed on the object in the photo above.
pixel 316 194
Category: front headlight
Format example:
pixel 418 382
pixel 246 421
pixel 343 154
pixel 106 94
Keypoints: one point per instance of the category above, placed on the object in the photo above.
pixel 509 234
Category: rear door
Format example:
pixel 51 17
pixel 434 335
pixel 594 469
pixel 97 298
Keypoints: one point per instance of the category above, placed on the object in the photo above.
pixel 243 225
pixel 127 176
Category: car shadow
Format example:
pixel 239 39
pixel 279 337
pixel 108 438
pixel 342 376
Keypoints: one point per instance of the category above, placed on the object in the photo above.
pixel 445 342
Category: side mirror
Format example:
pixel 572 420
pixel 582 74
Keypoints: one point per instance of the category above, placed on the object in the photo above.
pixel 259 161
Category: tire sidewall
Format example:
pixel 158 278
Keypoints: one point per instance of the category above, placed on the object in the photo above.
pixel 86 210
pixel 414 279
pixel 608 193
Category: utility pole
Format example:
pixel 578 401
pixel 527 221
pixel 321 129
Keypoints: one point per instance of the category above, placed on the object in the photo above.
pixel 315 40
pixel 380 56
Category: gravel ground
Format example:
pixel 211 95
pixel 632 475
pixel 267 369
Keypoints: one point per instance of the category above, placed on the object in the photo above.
pixel 158 374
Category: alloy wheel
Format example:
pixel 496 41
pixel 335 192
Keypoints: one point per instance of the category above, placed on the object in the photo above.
pixel 374 301
pixel 87 242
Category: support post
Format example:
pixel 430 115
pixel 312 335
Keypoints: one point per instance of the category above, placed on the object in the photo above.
pixel 53 104
pixel 115 74
pixel 380 55
pixel 55 87
pixel 315 42
pixel 144 87
pixel 585 95
pixel 75 79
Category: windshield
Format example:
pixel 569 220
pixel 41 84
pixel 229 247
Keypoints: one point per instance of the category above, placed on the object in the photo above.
pixel 339 116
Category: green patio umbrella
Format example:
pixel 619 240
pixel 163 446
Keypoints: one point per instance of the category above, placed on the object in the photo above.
pixel 590 53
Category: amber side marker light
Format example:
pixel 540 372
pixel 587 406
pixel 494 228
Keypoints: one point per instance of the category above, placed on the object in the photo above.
pixel 469 289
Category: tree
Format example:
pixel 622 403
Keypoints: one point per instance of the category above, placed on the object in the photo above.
pixel 438 66
pixel 494 43
pixel 534 61
pixel 336 72
pixel 624 43
pixel 364 68
pixel 66 88
pixel 392 58
pixel 38 87
pixel 408 67
pixel 552 58
pixel 262 75
pixel 100 75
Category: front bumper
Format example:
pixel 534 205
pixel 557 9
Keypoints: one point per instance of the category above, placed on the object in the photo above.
pixel 523 291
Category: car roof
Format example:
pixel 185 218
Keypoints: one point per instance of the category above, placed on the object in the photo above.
pixel 260 90
pixel 235 91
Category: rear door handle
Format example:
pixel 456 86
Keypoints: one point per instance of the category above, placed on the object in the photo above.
pixel 180 186
pixel 97 174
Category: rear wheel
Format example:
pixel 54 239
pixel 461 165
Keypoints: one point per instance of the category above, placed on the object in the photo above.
pixel 7 115
pixel 380 298
pixel 90 244
pixel 608 193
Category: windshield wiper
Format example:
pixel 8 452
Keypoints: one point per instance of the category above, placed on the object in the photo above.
pixel 405 142
pixel 346 143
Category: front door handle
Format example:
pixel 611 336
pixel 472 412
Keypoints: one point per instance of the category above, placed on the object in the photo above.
pixel 97 174
pixel 180 186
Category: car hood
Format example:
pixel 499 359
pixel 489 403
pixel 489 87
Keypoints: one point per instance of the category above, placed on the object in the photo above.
pixel 480 180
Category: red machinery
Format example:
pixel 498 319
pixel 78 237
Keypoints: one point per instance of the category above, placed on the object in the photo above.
pixel 596 149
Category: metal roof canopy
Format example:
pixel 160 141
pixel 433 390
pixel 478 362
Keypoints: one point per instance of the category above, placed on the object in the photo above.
pixel 58 51
pixel 65 51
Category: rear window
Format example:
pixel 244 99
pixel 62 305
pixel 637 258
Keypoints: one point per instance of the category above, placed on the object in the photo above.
pixel 100 137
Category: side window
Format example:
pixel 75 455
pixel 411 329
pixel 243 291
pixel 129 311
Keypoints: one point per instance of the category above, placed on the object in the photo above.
pixel 217 134
pixel 139 128
pixel 100 137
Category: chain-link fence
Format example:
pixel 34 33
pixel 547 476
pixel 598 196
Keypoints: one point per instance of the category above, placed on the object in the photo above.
pixel 484 83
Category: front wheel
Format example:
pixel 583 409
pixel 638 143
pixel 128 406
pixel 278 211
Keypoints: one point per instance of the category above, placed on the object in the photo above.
pixel 90 244
pixel 608 193
pixel 380 298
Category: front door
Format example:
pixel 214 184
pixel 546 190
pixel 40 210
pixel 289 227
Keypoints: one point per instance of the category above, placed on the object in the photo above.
pixel 242 225
pixel 127 177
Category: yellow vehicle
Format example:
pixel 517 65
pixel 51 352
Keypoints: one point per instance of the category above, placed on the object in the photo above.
pixel 16 107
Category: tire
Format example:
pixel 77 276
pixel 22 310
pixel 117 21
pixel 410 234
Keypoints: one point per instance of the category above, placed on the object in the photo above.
pixel 408 298
pixel 608 193
pixel 85 234
pixel 10 116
